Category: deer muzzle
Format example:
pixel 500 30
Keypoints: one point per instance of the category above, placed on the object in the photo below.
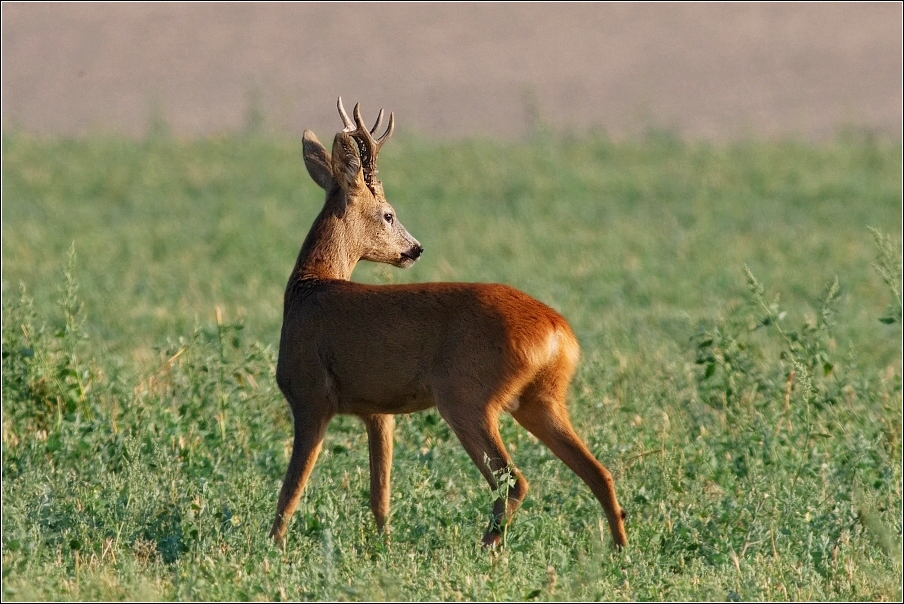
pixel 411 255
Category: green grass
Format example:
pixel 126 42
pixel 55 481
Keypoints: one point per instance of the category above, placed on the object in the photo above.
pixel 144 439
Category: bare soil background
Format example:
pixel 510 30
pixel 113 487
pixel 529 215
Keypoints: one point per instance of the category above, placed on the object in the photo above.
pixel 714 71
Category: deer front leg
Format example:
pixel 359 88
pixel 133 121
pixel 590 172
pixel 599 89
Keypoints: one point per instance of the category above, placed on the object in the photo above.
pixel 309 432
pixel 379 439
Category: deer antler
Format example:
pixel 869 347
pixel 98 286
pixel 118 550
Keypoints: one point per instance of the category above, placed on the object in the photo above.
pixel 368 147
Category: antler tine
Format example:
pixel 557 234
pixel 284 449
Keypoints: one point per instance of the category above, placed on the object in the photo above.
pixel 388 132
pixel 360 121
pixel 346 121
pixel 377 123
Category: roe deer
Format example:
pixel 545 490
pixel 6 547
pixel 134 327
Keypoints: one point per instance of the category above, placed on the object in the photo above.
pixel 471 349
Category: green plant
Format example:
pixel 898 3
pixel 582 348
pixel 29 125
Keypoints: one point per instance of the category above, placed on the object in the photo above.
pixel 44 377
pixel 808 350
pixel 888 264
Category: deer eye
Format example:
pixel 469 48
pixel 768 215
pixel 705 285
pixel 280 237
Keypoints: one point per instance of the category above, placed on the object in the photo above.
pixel 388 218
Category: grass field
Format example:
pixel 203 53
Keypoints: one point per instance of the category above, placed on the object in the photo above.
pixel 741 371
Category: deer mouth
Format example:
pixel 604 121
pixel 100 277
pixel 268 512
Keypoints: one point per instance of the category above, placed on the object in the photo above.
pixel 408 258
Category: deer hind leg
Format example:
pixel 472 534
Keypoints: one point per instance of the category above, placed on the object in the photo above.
pixel 478 430
pixel 379 439
pixel 543 413
pixel 309 432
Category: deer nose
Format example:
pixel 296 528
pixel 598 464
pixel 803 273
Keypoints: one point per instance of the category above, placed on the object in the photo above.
pixel 416 252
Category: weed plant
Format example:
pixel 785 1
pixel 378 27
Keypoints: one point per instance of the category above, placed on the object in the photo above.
pixel 739 309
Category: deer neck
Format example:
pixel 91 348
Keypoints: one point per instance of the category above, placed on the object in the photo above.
pixel 329 250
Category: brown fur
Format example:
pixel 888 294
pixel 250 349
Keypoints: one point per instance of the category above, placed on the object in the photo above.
pixel 472 350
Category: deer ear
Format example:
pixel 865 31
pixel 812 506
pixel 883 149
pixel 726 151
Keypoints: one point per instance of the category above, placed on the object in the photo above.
pixel 347 163
pixel 317 160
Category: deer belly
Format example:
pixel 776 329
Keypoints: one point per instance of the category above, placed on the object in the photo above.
pixel 360 391
pixel 394 402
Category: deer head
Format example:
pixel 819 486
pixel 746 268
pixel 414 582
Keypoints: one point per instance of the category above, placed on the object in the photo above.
pixel 371 230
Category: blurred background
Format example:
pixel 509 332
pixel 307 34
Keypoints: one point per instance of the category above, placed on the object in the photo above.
pixel 717 72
